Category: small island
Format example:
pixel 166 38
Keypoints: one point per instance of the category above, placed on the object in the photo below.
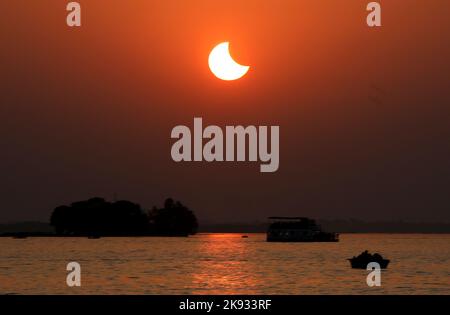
pixel 97 217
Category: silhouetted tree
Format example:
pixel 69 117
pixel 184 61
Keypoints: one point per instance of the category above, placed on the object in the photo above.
pixel 173 219
pixel 98 217
pixel 59 219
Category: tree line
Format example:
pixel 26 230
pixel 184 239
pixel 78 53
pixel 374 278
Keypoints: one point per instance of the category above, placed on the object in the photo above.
pixel 98 217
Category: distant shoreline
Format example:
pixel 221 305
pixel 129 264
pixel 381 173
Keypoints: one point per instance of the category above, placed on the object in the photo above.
pixel 54 235
pixel 27 236
pixel 43 229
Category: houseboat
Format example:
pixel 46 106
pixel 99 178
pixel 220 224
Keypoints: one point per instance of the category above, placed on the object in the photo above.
pixel 297 229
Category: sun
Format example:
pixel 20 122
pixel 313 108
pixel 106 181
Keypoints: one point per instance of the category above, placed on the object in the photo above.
pixel 222 64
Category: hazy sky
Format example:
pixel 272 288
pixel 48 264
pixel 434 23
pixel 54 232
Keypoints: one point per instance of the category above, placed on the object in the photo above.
pixel 364 114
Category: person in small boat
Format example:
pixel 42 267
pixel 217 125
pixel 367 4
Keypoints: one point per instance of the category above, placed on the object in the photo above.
pixel 377 257
pixel 364 255
pixel 367 256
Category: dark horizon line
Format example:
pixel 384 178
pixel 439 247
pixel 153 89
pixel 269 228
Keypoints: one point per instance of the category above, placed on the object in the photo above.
pixel 331 225
pixel 260 221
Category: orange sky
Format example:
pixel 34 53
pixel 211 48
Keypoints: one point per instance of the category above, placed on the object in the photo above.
pixel 363 113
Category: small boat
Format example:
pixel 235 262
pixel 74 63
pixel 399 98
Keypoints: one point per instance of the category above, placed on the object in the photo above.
pixel 362 260
pixel 297 229
pixel 244 236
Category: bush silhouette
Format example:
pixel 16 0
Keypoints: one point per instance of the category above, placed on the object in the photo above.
pixel 97 217
pixel 173 219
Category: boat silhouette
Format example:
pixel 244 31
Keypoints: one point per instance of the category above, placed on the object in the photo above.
pixel 297 229
pixel 362 260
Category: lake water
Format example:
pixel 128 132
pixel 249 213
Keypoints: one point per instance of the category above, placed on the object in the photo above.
pixel 223 264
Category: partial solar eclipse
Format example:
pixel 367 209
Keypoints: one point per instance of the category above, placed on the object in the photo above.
pixel 222 64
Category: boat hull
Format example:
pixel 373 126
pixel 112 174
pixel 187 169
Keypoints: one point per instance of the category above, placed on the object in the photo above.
pixel 300 241
pixel 362 264
pixel 322 237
